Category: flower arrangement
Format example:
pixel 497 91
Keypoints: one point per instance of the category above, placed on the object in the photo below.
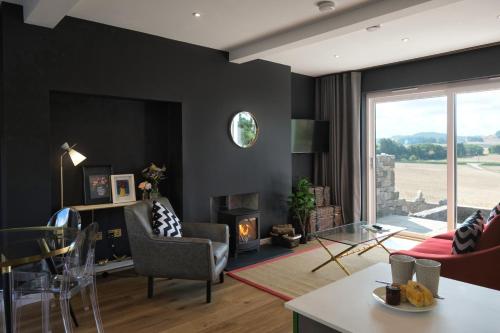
pixel 153 175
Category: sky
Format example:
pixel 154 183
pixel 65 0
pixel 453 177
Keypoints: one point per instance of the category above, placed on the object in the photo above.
pixel 477 114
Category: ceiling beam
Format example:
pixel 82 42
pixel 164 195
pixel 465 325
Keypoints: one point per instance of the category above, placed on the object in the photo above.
pixel 46 13
pixel 373 13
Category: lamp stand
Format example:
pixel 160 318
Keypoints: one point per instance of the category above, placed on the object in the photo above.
pixel 62 179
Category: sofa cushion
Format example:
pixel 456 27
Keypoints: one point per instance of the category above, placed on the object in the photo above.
pixel 494 213
pixel 468 235
pixel 220 250
pixel 491 235
pixel 447 235
pixel 165 222
pixel 434 246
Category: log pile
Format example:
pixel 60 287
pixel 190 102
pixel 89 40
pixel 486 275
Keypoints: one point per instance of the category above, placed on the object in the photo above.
pixel 284 235
pixel 325 215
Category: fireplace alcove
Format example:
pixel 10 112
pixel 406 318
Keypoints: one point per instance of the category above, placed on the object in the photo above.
pixel 124 133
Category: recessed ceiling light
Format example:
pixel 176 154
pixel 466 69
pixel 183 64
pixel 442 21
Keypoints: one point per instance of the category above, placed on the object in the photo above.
pixel 336 56
pixel 326 6
pixel 197 14
pixel 405 40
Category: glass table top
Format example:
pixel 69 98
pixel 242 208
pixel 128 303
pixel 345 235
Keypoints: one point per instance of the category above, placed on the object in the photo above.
pixel 356 233
pixel 20 246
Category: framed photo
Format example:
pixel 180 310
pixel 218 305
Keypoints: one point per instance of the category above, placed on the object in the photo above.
pixel 123 188
pixel 97 184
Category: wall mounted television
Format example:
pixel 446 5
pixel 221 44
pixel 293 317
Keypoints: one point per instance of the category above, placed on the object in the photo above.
pixel 310 136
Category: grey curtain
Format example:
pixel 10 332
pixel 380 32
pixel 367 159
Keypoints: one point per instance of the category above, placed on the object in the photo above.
pixel 338 99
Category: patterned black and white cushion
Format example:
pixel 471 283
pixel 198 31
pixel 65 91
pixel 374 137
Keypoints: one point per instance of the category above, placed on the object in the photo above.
pixel 165 222
pixel 467 236
pixel 494 212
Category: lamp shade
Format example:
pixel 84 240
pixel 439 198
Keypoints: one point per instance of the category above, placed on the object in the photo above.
pixel 75 156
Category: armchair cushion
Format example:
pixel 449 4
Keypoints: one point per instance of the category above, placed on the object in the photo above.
pixel 165 222
pixel 220 250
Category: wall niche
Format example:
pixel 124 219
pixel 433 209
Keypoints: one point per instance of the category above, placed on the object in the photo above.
pixel 127 134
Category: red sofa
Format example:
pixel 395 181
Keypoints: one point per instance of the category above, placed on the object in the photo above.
pixel 481 267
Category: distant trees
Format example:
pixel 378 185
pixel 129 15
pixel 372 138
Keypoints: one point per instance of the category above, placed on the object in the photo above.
pixel 497 134
pixel 426 151
pixel 494 149
pixel 465 150
pixel 392 147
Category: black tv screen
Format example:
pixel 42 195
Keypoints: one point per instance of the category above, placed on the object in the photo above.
pixel 309 136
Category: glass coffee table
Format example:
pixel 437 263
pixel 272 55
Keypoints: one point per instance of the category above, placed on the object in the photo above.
pixel 358 236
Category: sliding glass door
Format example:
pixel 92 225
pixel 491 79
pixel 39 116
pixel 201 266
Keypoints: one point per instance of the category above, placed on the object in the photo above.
pixel 478 151
pixel 433 156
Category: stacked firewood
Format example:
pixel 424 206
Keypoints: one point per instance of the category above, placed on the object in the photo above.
pixel 324 215
pixel 284 235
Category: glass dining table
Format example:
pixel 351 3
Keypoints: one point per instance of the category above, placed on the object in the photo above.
pixel 23 246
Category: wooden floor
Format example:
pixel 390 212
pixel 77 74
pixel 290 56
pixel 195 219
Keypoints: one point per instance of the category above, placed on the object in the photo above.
pixel 178 306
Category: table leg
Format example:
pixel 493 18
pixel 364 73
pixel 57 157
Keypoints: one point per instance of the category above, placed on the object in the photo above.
pixel 334 258
pixel 7 300
pixel 377 243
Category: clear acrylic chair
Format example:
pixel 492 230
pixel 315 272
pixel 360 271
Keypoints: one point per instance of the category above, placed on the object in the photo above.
pixel 23 294
pixel 79 275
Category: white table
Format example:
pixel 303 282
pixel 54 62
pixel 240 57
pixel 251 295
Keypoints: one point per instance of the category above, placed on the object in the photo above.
pixel 347 305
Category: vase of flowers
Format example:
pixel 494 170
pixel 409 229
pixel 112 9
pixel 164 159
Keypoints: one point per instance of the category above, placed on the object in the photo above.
pixel 145 186
pixel 154 175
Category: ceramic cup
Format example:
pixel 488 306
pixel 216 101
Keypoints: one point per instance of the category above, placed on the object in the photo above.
pixel 402 268
pixel 428 272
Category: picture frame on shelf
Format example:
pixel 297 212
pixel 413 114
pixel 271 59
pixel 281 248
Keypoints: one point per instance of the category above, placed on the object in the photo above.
pixel 97 184
pixel 123 188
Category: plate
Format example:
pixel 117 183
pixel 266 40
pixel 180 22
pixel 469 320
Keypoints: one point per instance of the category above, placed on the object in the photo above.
pixel 379 295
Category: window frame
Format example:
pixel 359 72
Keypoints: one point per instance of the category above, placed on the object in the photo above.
pixel 449 91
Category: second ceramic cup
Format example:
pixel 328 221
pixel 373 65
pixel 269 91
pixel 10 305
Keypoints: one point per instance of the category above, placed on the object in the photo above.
pixel 428 272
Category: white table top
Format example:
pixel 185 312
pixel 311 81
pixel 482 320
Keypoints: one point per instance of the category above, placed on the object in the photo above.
pixel 347 305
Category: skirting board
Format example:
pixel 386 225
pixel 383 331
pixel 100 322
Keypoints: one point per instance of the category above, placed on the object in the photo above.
pixel 114 266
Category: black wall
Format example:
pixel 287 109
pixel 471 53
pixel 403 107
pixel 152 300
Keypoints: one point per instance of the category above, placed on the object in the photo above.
pixel 303 99
pixel 474 64
pixel 89 58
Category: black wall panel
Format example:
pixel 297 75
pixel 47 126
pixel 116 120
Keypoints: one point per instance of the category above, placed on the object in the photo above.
pixel 302 108
pixel 94 59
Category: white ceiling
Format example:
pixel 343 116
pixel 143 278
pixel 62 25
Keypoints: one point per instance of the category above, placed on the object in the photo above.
pixel 295 33
pixel 223 25
pixel 453 27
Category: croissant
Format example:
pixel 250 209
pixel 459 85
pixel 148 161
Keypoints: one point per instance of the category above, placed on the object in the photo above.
pixel 418 295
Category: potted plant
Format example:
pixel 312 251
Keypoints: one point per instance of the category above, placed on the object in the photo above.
pixel 301 203
pixel 154 175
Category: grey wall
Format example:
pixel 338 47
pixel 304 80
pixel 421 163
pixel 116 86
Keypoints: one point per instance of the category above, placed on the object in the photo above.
pixel 89 58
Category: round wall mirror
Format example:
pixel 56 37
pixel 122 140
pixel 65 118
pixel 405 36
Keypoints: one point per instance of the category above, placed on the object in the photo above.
pixel 244 129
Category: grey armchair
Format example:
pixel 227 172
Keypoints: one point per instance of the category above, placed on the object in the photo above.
pixel 200 254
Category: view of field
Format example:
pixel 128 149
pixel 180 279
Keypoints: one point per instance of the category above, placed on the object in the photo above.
pixel 413 133
pixel 477 185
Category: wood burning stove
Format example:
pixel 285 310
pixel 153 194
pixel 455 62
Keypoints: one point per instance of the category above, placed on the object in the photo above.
pixel 244 229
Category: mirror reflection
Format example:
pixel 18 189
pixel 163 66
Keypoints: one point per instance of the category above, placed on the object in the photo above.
pixel 244 129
